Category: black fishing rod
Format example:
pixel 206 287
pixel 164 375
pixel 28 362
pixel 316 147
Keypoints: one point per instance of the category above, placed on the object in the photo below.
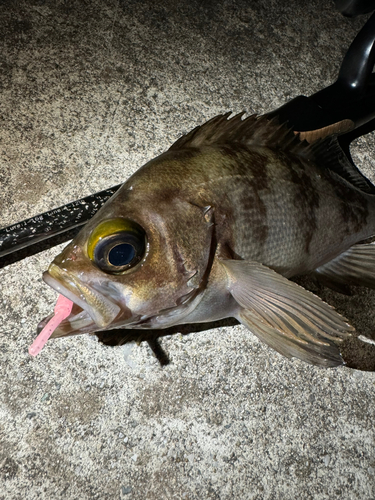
pixel 53 223
pixel 346 106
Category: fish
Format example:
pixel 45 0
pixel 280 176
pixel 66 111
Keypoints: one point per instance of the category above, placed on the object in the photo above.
pixel 218 226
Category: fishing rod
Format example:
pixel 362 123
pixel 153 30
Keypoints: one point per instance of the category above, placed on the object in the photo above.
pixel 346 108
pixel 49 225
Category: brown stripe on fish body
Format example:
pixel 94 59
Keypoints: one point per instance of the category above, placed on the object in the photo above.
pixel 306 200
pixel 355 209
pixel 275 207
pixel 244 190
pixel 275 204
pixel 340 215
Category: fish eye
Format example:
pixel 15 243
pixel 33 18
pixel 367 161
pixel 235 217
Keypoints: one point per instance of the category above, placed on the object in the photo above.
pixel 116 245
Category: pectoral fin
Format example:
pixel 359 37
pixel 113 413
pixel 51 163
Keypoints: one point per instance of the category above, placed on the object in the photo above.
pixel 284 315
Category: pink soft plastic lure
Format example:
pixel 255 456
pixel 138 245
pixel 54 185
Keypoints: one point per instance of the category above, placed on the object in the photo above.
pixel 62 310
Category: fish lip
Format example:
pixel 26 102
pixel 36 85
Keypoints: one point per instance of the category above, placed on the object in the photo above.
pixel 63 290
pixel 66 284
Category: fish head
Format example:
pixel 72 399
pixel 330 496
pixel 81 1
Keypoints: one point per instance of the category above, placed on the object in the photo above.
pixel 139 263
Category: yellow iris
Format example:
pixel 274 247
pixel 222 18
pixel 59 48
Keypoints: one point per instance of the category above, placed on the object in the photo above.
pixel 108 228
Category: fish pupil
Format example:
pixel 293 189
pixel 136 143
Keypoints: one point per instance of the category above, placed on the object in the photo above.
pixel 121 254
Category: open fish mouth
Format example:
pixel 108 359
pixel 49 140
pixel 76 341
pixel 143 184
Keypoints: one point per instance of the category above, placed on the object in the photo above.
pixel 92 311
pixel 78 322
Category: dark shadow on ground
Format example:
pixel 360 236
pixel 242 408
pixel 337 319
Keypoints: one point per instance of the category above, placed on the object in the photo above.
pixel 357 354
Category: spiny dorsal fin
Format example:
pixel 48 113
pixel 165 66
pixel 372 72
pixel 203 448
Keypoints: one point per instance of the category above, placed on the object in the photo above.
pixel 252 131
pixel 258 130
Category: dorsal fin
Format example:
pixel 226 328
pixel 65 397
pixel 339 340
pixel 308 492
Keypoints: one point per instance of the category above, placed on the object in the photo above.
pixel 254 130
pixel 327 153
pixel 258 130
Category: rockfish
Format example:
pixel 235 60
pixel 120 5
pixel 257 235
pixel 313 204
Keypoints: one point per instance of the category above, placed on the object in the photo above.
pixel 215 227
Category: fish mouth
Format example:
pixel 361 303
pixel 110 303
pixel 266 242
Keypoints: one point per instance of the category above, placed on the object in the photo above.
pixel 92 311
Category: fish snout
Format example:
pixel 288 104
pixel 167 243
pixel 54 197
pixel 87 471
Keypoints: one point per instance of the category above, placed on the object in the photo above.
pixel 99 307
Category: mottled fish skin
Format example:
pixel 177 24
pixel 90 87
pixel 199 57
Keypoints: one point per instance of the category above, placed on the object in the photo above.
pixel 231 190
pixel 282 211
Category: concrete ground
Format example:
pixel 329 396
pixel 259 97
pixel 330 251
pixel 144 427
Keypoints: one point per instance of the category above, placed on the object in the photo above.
pixel 90 90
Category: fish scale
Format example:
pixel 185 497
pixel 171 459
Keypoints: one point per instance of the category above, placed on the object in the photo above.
pixel 223 219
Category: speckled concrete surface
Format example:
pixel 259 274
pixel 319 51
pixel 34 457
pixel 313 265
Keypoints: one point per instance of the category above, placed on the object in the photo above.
pixel 89 92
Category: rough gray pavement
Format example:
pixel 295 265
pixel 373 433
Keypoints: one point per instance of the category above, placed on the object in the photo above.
pixel 90 90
